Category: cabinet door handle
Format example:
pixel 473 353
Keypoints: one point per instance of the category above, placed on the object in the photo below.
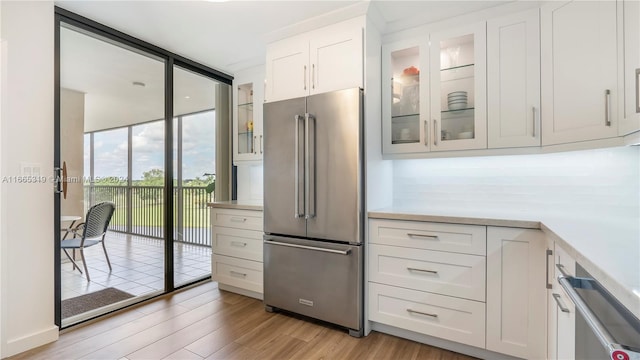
pixel 533 120
pixel 638 90
pixel 313 76
pixel 238 219
pixel 435 132
pixel 305 77
pixel 411 311
pixel 255 149
pixel 426 133
pixel 549 253
pixel 261 146
pixel 238 244
pixel 422 270
pixel 433 237
pixel 560 303
pixel 607 107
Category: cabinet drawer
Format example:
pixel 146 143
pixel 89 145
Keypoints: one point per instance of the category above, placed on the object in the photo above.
pixel 245 244
pixel 467 239
pixel 241 219
pixel 244 274
pixel 459 275
pixel 431 314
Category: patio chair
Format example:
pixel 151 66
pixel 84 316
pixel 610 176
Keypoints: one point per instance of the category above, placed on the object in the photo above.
pixel 89 233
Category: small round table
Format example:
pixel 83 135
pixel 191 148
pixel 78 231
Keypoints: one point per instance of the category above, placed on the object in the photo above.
pixel 67 218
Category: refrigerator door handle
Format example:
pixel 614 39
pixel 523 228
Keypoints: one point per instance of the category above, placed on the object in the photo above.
pixel 333 251
pixel 309 201
pixel 296 187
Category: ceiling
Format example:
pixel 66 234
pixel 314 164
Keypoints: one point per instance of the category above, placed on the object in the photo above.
pixel 232 35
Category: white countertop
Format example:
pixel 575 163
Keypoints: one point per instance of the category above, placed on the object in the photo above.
pixel 238 204
pixel 607 246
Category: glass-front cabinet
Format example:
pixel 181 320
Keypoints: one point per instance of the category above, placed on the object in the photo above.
pixel 248 96
pixel 458 89
pixel 434 92
pixel 405 94
pixel 246 141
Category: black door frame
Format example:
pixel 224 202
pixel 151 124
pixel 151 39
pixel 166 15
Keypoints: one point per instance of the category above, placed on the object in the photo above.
pixel 170 60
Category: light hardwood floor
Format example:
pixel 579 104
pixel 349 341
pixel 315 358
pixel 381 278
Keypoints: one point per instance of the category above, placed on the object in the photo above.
pixel 204 322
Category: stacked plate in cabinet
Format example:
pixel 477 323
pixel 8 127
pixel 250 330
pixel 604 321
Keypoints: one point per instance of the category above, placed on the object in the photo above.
pixel 457 100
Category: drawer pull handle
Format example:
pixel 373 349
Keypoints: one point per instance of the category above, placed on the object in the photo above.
pixel 433 237
pixel 560 303
pixel 238 219
pixel 237 273
pixel 422 270
pixel 238 244
pixel 411 311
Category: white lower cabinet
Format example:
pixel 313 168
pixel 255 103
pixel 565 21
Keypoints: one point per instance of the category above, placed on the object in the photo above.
pixel 516 295
pixel 427 313
pixel 236 239
pixel 481 286
pixel 428 278
pixel 561 316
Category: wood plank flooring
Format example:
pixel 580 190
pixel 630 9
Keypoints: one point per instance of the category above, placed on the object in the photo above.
pixel 205 323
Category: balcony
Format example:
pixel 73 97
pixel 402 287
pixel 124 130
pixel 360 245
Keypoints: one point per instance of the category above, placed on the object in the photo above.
pixel 139 211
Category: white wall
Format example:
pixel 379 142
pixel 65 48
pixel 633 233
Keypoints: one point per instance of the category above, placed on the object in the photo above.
pixel 72 120
pixel 26 129
pixel 586 181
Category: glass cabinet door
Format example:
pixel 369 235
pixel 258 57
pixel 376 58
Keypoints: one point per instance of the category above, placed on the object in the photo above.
pixel 458 89
pixel 405 97
pixel 245 119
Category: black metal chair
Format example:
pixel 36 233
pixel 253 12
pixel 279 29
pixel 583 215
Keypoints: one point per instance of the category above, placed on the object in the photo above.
pixel 89 233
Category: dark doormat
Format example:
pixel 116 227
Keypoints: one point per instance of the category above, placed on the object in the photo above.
pixel 94 300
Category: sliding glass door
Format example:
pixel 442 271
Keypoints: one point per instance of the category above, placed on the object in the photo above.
pixel 112 149
pixel 194 108
pixel 135 127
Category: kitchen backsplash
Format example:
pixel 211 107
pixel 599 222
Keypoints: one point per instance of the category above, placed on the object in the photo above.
pixel 250 184
pixel 586 181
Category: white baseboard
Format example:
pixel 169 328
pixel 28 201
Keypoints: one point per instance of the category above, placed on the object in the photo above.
pixel 440 343
pixel 28 342
pixel 237 290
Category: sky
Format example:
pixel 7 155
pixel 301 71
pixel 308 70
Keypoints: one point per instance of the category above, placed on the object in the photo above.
pixel 111 147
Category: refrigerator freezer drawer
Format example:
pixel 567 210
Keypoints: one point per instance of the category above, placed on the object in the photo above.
pixel 316 279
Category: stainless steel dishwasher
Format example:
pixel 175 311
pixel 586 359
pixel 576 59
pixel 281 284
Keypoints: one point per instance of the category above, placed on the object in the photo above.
pixel 605 329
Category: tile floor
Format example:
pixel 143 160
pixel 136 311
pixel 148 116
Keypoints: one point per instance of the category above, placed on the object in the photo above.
pixel 138 266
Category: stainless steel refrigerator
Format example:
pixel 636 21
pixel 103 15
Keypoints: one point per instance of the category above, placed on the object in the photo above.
pixel 313 207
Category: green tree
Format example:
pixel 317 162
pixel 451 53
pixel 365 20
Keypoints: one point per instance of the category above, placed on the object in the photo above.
pixel 153 177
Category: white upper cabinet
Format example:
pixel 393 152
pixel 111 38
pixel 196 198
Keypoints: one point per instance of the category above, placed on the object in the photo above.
pixel 287 69
pixel 579 71
pixel 630 119
pixel 513 80
pixel 405 94
pixel 459 88
pixel 336 57
pixel 319 61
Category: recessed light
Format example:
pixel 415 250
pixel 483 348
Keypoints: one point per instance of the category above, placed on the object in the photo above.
pixel 187 97
pixel 139 83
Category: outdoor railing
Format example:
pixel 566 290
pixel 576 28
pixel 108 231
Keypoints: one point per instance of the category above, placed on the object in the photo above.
pixel 139 211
